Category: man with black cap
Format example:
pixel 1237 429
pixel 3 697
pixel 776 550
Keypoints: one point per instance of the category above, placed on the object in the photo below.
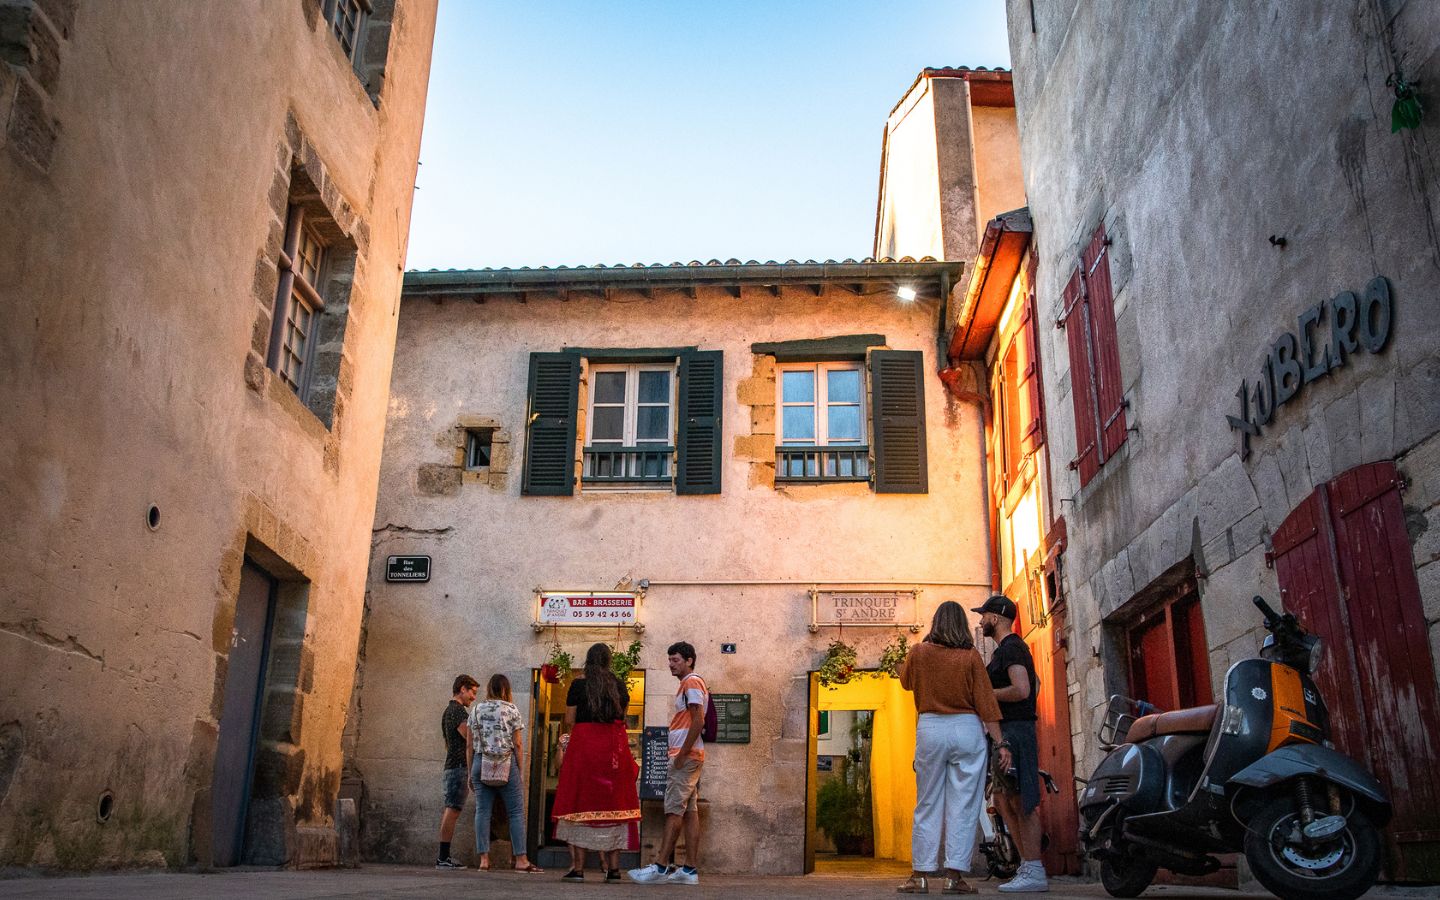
pixel 1012 675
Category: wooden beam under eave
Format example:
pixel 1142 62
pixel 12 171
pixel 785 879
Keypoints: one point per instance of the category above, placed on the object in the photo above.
pixel 733 290
pixel 818 289
pixel 775 290
pixel 692 292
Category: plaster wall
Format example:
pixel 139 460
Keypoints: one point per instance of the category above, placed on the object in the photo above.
pixel 999 186
pixel 492 547
pixel 910 217
pixel 1154 121
pixel 128 276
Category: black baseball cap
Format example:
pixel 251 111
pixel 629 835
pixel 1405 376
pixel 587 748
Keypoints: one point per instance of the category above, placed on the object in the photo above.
pixel 1000 606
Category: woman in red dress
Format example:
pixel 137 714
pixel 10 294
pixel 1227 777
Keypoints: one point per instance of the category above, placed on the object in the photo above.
pixel 597 805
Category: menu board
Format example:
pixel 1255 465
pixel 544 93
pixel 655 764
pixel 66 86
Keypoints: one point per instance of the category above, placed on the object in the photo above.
pixel 654 762
pixel 732 716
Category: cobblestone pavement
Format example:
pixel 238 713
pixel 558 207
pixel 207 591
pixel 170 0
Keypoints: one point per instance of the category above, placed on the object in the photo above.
pixel 407 881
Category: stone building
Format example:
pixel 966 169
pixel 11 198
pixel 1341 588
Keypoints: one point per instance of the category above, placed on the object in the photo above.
pixel 1235 270
pixel 738 450
pixel 206 215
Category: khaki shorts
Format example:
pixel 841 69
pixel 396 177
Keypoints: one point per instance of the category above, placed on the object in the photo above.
pixel 682 788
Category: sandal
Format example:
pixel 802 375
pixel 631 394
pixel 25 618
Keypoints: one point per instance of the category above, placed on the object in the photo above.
pixel 484 868
pixel 530 869
pixel 959 886
pixel 915 884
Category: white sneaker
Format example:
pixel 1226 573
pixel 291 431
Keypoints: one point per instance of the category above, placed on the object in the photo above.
pixel 1030 879
pixel 683 875
pixel 651 874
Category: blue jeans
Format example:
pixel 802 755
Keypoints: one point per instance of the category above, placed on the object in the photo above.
pixel 509 794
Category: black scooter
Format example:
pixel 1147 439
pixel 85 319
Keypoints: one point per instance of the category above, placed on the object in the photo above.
pixel 1256 773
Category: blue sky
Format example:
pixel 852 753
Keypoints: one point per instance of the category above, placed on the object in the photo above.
pixel 626 131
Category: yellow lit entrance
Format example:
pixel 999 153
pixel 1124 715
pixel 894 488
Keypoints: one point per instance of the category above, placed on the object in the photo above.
pixel 862 744
pixel 547 715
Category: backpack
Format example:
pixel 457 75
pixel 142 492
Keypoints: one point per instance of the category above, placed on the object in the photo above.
pixel 712 719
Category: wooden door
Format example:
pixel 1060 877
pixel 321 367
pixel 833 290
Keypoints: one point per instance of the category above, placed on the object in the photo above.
pixel 1345 568
pixel 1058 812
pixel 240 714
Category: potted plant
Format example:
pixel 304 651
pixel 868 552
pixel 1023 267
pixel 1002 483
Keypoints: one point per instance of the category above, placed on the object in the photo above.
pixel 893 655
pixel 556 665
pixel 842 811
pixel 623 662
pixel 838 665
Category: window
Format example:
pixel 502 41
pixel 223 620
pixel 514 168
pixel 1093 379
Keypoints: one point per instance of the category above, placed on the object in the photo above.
pixel 347 20
pixel 297 303
pixel 1018 427
pixel 477 448
pixel 1088 318
pixel 631 425
pixel 820 411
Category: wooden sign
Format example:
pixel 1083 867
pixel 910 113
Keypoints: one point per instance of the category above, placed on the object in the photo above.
pixel 654 763
pixel 889 608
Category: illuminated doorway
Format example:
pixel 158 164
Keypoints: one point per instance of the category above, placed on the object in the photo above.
pixel 862 747
pixel 547 715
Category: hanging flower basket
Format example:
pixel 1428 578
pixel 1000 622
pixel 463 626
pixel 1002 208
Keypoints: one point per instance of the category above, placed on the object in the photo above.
pixel 623 662
pixel 893 655
pixel 839 664
pixel 557 665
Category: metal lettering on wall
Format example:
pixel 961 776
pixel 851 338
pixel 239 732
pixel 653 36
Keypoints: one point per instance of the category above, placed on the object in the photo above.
pixel 892 608
pixel 1325 335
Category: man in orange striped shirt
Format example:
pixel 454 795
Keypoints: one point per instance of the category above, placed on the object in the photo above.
pixel 682 791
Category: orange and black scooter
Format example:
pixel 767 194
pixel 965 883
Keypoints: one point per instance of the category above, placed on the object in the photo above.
pixel 1256 774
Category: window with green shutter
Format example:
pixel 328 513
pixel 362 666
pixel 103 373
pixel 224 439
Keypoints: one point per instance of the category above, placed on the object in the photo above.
pixel 550 424
pixel 897 384
pixel 702 386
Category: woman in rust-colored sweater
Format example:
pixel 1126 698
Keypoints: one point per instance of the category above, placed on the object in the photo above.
pixel 957 709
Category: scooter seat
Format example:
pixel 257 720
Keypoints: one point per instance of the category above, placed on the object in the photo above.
pixel 1197 720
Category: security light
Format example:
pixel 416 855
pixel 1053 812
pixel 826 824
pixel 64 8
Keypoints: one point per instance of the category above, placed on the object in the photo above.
pixel 905 292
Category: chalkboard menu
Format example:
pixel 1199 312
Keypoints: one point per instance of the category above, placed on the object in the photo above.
pixel 654 763
pixel 732 715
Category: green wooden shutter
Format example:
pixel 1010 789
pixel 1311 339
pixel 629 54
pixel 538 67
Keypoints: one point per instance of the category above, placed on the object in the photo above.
pixel 897 385
pixel 550 428
pixel 702 385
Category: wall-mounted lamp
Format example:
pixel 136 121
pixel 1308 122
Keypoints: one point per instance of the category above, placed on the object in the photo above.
pixel 905 292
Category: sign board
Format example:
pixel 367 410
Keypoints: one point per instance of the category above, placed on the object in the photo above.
pixel 654 763
pixel 603 608
pixel 407 568
pixel 732 718
pixel 892 608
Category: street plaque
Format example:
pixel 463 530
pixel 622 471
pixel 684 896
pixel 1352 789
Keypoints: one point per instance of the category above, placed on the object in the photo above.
pixel 407 568
pixel 732 718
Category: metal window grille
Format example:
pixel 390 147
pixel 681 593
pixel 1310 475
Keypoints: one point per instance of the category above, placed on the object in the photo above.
pixel 814 463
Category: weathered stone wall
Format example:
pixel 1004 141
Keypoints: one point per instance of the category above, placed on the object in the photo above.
pixel 457 362
pixel 143 155
pixel 1195 132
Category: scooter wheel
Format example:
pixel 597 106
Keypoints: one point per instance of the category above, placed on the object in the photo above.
pixel 1342 868
pixel 1126 876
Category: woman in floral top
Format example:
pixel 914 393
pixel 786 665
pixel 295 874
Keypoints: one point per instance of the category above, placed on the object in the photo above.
pixel 495 727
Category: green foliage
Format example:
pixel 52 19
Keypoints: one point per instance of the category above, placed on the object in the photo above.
pixel 622 663
pixel 841 811
pixel 893 655
pixel 559 658
pixel 838 665
pixel 1407 111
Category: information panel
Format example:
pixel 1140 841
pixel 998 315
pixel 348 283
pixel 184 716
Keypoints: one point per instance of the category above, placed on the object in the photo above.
pixel 654 762
pixel 732 717
pixel 604 608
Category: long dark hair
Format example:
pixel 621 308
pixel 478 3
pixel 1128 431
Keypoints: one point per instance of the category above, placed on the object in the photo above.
pixel 602 688
pixel 950 627
pixel 498 688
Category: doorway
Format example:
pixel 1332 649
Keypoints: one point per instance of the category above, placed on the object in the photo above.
pixel 860 784
pixel 240 713
pixel 547 717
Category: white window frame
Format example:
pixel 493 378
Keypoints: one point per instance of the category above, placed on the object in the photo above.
pixel 822 402
pixel 632 404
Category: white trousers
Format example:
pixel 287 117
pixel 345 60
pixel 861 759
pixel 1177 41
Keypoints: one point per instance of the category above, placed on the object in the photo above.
pixel 950 759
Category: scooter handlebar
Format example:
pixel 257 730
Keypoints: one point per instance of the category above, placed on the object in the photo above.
pixel 1272 618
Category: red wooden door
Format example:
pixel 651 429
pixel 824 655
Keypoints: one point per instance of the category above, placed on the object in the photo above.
pixel 1058 813
pixel 1345 568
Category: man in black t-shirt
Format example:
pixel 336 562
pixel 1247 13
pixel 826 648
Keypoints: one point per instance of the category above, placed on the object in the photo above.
pixel 1012 675
pixel 456 733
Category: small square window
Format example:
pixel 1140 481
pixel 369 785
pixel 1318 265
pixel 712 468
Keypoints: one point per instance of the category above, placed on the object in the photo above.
pixel 822 423
pixel 477 448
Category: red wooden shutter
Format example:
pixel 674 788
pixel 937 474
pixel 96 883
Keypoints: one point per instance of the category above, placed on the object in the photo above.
pixel 1345 568
pixel 1087 446
pixel 1095 263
